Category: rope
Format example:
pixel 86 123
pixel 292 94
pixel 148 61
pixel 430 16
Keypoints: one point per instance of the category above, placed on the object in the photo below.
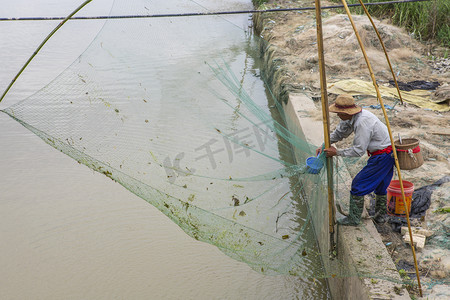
pixel 414 150
pixel 203 13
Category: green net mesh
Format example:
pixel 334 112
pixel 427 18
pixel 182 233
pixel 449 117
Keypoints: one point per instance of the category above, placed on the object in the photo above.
pixel 174 112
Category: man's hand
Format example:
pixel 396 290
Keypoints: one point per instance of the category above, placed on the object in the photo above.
pixel 330 151
pixel 318 151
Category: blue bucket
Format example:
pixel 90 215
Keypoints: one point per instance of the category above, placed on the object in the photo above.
pixel 314 165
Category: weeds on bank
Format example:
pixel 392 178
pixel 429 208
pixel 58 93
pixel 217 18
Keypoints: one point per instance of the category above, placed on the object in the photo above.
pixel 408 284
pixel 425 20
pixel 257 3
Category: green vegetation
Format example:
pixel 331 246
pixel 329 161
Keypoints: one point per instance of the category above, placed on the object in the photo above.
pixel 442 210
pixel 258 3
pixel 403 274
pixel 425 20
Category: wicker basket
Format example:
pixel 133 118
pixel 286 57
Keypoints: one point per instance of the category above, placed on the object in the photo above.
pixel 409 154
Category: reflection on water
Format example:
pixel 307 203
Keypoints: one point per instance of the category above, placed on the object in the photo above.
pixel 67 232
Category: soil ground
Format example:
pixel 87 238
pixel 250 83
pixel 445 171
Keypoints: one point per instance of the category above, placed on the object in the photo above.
pixel 294 35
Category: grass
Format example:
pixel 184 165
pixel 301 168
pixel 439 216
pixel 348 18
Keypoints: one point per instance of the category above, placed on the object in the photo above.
pixel 425 20
pixel 258 3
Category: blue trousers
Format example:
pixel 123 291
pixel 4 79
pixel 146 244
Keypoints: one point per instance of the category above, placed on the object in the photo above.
pixel 375 176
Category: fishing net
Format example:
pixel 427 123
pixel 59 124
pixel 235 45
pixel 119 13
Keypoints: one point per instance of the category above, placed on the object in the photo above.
pixel 175 113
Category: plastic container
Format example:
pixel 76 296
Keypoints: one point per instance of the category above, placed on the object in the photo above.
pixel 395 204
pixel 314 165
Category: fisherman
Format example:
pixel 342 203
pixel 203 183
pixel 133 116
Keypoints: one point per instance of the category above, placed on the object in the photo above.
pixel 371 136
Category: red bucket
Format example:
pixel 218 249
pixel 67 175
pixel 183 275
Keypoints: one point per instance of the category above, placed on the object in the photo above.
pixel 395 203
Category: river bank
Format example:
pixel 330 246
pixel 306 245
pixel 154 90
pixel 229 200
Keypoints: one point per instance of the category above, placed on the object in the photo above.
pixel 293 35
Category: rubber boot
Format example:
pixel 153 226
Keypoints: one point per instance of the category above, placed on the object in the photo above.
pixel 354 212
pixel 380 209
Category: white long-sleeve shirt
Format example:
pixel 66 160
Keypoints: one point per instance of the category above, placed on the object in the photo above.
pixel 370 134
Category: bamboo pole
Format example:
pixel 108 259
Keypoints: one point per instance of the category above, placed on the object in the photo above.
pixel 41 45
pixel 384 49
pixel 326 122
pixel 391 138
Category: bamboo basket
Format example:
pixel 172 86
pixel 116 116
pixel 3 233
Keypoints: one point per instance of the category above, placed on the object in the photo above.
pixel 409 154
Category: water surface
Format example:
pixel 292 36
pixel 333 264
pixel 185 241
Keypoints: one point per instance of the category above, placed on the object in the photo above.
pixel 68 232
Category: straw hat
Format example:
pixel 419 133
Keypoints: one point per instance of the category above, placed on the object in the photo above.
pixel 345 104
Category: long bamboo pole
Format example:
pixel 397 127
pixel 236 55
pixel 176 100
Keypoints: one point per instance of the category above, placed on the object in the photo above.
pixel 391 138
pixel 384 49
pixel 41 45
pixel 326 122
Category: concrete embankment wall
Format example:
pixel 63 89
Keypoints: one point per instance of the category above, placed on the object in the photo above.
pixel 359 249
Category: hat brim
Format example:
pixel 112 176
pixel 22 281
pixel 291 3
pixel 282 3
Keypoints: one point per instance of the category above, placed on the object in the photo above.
pixel 348 111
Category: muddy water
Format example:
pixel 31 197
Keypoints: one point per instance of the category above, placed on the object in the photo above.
pixel 69 233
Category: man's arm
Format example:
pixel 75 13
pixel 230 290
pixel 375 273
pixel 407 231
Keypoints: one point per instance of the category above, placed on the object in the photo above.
pixel 363 134
pixel 343 130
